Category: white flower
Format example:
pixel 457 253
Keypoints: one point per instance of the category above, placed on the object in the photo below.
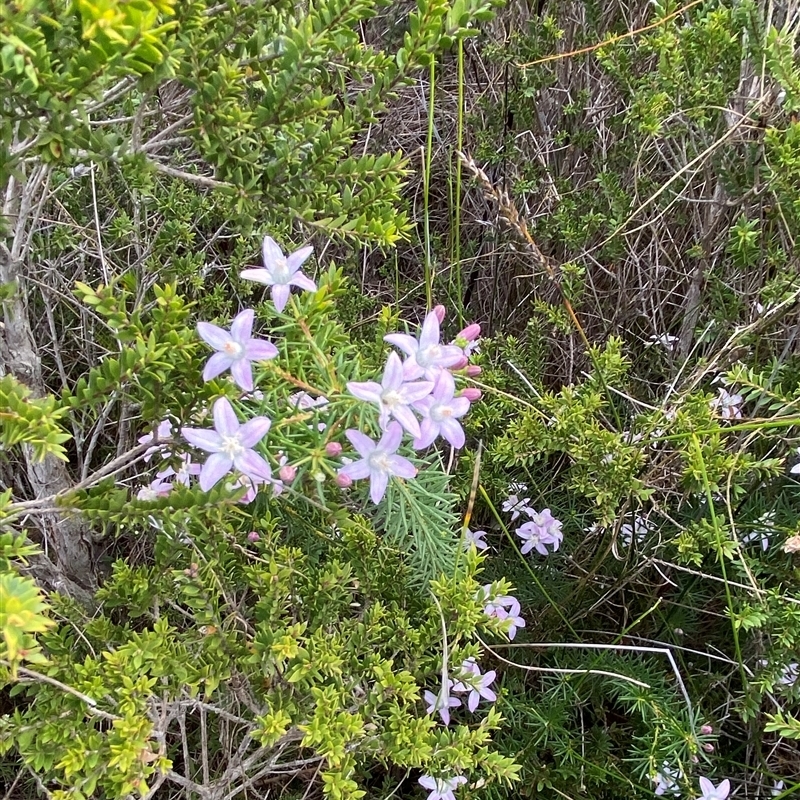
pixel 666 340
pixel 667 780
pixel 729 406
pixel 760 535
pixel 442 788
pixel 515 504
pixel 281 272
pixel 640 528
pixel 711 792
pixel 777 789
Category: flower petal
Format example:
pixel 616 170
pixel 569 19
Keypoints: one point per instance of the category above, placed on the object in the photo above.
pixel 225 420
pixel 242 325
pixel 253 466
pixel 430 331
pixel 453 432
pixel 408 344
pixel 390 440
pixel 405 416
pixel 402 467
pixel 242 374
pixel 216 365
pixel 459 406
pixel 393 373
pixel 217 466
pixel 212 334
pixel 369 391
pixel 706 787
pixel 428 782
pixel 302 282
pixel 377 485
pixel 208 440
pixel 429 430
pixel 270 251
pixel 358 470
pixel 361 442
pixel 296 259
pixel 254 430
pixel 259 275
pixel 280 295
pixel 414 391
pixel 260 350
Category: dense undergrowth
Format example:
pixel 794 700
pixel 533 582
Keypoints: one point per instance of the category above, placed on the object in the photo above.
pixel 388 554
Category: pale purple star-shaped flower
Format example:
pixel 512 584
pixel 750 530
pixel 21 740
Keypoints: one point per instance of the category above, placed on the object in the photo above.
pixel 154 491
pixel 249 484
pixel 711 792
pixel 474 538
pixel 471 680
pixel 163 431
pixel 378 461
pixel 184 472
pixel 442 788
pixel 728 405
pixel 542 530
pixel 441 411
pixel 281 272
pixel 515 504
pixel 236 349
pixel 427 356
pixel 441 702
pixel 503 607
pixel 231 446
pixel 393 395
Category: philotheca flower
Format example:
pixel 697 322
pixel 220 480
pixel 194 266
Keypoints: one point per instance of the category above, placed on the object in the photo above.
pixel 711 792
pixel 281 272
pixel 441 411
pixel 442 788
pixel 470 679
pixel 378 461
pixel 236 349
pixel 441 702
pixel 543 529
pixel 394 395
pixel 231 446
pixel 426 356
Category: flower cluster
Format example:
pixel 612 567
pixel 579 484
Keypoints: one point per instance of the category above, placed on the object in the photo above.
pixel 159 441
pixel 476 685
pixel 417 396
pixel 230 443
pixel 542 531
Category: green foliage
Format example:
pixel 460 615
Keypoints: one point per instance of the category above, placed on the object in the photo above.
pixel 32 421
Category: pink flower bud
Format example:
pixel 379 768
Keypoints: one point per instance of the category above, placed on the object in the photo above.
pixel 470 333
pixel 253 536
pixel 343 480
pixel 440 311
pixel 706 730
pixel 460 364
pixel 471 393
pixel 708 747
pixel 333 449
pixel 287 473
pixel 472 371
